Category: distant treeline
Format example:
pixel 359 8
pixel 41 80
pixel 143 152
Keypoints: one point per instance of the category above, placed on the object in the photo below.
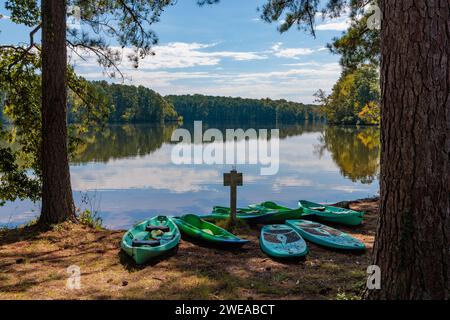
pixel 132 104
pixel 200 107
pixel 138 104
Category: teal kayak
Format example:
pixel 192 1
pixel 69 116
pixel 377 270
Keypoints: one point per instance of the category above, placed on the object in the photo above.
pixel 325 236
pixel 331 214
pixel 246 214
pixel 150 238
pixel 195 227
pixel 281 213
pixel 282 241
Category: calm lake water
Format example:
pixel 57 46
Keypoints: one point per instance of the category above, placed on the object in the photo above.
pixel 126 174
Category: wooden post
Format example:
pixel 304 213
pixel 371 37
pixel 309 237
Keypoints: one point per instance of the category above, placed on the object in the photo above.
pixel 232 180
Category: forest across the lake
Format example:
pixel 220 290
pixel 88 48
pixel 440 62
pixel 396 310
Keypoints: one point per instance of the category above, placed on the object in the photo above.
pixel 354 100
pixel 138 104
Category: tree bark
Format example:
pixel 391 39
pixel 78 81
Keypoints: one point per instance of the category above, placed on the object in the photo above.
pixel 57 198
pixel 412 245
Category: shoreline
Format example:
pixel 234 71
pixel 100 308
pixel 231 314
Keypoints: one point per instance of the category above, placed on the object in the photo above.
pixel 34 266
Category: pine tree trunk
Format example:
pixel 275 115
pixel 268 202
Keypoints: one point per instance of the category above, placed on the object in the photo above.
pixel 57 199
pixel 413 238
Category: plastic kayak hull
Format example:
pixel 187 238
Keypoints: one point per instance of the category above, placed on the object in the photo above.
pixel 159 242
pixel 247 214
pixel 282 241
pixel 325 236
pixel 280 213
pixel 193 226
pixel 331 214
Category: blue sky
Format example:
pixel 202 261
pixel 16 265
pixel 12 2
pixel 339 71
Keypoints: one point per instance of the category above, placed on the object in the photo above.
pixel 223 50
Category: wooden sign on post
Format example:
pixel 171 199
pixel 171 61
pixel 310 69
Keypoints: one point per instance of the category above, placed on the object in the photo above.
pixel 233 180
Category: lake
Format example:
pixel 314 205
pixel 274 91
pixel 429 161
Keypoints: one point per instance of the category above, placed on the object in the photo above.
pixel 126 173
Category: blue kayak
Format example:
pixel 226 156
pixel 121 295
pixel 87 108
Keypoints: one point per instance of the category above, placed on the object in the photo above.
pixel 150 238
pixel 325 236
pixel 282 241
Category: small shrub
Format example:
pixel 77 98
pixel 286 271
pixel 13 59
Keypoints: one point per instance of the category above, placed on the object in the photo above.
pixel 89 218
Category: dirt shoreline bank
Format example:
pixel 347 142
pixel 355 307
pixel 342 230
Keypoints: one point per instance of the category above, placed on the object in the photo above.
pixel 33 265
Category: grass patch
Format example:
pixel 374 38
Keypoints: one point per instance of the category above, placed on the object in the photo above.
pixel 241 227
pixel 90 218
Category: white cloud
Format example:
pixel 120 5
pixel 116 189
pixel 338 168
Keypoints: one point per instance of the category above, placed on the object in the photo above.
pixel 336 26
pixel 167 72
pixel 341 23
pixel 285 182
pixel 4 17
pixel 351 188
pixel 179 55
pixel 297 83
pixel 110 176
pixel 280 52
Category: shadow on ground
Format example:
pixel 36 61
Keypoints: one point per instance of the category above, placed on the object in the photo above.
pixel 34 262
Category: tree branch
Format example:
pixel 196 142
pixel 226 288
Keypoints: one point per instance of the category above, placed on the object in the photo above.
pixel 28 49
pixel 99 53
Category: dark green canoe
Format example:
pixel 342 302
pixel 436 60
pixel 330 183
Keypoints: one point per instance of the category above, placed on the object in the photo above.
pixel 281 213
pixel 195 227
pixel 246 214
pixel 325 236
pixel 331 214
pixel 282 241
pixel 150 238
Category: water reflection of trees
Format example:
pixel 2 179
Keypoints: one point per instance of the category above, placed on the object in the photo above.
pixel 355 151
pixel 124 141
pixel 286 130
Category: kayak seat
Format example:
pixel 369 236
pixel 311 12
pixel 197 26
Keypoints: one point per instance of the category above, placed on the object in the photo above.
pixel 157 228
pixel 316 231
pixel 333 232
pixel 271 238
pixel 309 225
pixel 279 231
pixel 168 237
pixel 141 243
pixel 292 237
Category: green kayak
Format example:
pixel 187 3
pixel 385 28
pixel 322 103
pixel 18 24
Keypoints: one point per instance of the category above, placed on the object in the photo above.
pixel 331 214
pixel 195 227
pixel 282 241
pixel 281 213
pixel 247 214
pixel 150 238
pixel 325 236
